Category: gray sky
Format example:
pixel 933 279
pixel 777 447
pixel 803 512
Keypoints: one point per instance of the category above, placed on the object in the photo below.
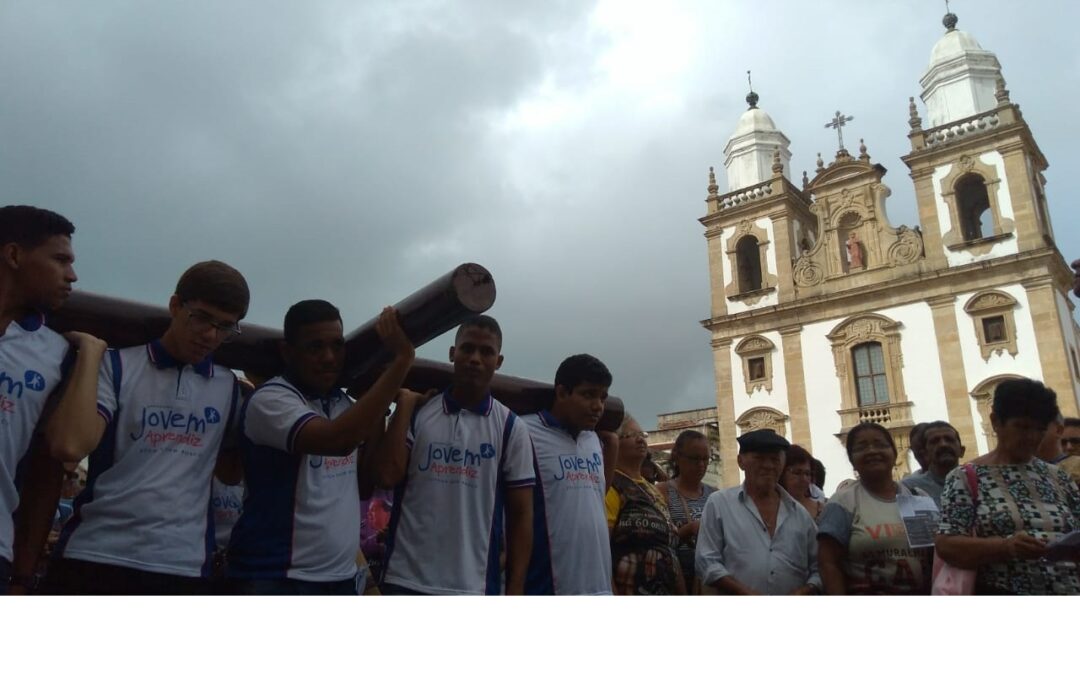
pixel 356 151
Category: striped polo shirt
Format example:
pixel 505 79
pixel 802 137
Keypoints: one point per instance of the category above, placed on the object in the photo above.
pixel 32 361
pixel 571 551
pixel 301 516
pixel 446 526
pixel 147 499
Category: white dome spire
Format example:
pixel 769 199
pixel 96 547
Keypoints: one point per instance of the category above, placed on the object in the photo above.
pixel 961 78
pixel 748 155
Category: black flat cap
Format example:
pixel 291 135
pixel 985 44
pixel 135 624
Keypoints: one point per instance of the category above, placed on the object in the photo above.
pixel 762 440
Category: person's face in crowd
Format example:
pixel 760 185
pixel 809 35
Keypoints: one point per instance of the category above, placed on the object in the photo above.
pixel 378 515
pixel 762 468
pixel 1018 437
pixel 693 459
pixel 1050 446
pixel 45 273
pixel 582 407
pixel 1070 440
pixel 943 449
pixel 872 455
pixel 796 479
pixel 633 443
pixel 316 357
pixel 475 357
pixel 198 328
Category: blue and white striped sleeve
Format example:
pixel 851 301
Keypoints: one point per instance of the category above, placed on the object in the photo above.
pixel 274 417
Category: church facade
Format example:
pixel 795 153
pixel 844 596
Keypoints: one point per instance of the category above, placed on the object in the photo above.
pixel 825 314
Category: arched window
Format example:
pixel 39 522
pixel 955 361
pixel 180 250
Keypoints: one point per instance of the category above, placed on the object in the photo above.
pixel 973 206
pixel 748 259
pixel 871 383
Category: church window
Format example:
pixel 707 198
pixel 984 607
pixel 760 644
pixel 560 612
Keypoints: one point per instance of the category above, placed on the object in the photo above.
pixel 992 315
pixel 973 207
pixel 994 329
pixel 871 383
pixel 757 369
pixel 748 259
pixel 756 354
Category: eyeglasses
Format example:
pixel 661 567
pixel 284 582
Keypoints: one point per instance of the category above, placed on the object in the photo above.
pixel 866 446
pixel 1071 440
pixel 200 321
pixel 801 473
pixel 634 434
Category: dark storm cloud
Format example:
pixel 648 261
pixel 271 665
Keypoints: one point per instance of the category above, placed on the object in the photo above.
pixel 356 151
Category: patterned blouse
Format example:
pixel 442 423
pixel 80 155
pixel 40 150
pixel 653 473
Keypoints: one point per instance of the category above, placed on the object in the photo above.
pixel 677 506
pixel 1034 497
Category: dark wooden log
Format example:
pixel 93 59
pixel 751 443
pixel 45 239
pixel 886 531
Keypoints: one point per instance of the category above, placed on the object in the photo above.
pixel 443 304
pixel 429 312
pixel 521 395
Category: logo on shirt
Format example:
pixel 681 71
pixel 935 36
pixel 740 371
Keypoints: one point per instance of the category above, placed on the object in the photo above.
pixel 163 424
pixel 580 470
pixel 34 380
pixel 449 460
pixel 12 389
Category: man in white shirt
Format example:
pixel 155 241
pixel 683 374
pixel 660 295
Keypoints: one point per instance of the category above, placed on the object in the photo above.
pixel 571 552
pixel 300 530
pixel 457 463
pixel 755 539
pixel 36 274
pixel 154 418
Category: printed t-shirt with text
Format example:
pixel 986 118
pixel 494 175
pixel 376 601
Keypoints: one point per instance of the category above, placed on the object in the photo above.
pixel 446 526
pixel 571 552
pixel 879 560
pixel 301 518
pixel 32 360
pixel 147 499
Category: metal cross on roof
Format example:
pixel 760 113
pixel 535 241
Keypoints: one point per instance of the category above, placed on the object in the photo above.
pixel 837 122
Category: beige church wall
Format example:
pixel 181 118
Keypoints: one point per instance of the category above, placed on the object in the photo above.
pixel 822 402
pixel 777 399
pixel 770 300
pixel 1068 331
pixel 978 370
pixel 921 376
pixel 1005 247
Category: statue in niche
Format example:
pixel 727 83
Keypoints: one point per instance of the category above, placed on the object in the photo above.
pixel 854 251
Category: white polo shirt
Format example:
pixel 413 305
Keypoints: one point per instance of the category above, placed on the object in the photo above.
pixel 446 526
pixel 301 517
pixel 571 550
pixel 147 499
pixel 32 361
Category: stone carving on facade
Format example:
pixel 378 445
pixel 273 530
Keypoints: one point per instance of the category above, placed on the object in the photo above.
pixel 807 273
pixel 907 248
pixel 762 418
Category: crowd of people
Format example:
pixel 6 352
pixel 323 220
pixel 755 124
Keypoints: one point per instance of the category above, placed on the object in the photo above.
pixel 200 482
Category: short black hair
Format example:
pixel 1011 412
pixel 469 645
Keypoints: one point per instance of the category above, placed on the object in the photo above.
pixel 817 467
pixel 868 426
pixel 1072 422
pixel 580 368
pixel 1025 398
pixel 307 312
pixel 938 424
pixel 917 432
pixel 680 442
pixel 30 227
pixel 482 321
